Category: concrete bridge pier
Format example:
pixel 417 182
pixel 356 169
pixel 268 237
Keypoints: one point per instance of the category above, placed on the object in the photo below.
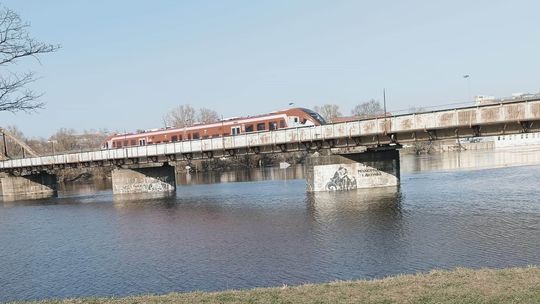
pixel 350 170
pixel 144 180
pixel 28 187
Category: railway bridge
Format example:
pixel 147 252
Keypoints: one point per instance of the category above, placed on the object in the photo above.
pixel 348 155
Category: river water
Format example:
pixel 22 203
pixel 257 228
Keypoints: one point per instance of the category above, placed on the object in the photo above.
pixel 258 228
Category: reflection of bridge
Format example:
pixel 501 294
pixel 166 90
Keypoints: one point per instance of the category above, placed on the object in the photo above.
pixel 355 145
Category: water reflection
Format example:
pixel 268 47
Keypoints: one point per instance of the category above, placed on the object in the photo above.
pixel 376 212
pixel 258 174
pixel 471 159
pixel 352 202
pixel 133 199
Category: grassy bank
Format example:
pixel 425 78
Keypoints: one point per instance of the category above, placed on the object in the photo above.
pixel 514 285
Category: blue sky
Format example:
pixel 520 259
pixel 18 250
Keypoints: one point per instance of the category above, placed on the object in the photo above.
pixel 124 64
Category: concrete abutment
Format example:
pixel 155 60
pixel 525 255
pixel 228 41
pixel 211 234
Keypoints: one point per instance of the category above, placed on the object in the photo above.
pixel 28 187
pixel 339 172
pixel 144 180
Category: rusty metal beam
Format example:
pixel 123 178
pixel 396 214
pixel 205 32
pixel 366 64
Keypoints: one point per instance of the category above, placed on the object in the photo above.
pixel 22 144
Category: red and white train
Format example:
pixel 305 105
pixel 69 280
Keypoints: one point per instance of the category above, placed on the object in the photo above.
pixel 290 118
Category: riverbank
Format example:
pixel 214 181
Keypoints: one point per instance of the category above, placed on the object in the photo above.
pixel 512 285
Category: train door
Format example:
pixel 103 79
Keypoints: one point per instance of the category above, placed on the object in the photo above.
pixel 294 121
pixel 142 142
pixel 235 130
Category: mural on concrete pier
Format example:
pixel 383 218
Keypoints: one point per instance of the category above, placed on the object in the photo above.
pixel 341 181
pixel 342 177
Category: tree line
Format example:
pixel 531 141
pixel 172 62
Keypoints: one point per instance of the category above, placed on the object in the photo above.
pixel 186 116
pixel 331 112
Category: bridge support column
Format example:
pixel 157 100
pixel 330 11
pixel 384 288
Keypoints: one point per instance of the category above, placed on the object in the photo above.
pixel 34 186
pixel 144 180
pixel 351 171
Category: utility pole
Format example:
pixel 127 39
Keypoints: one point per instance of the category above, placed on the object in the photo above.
pixel 384 101
pixel 5 144
pixel 384 108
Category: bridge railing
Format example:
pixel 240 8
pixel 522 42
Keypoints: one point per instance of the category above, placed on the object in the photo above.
pixel 462 117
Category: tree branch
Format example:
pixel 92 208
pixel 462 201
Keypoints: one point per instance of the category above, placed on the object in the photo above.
pixel 15 44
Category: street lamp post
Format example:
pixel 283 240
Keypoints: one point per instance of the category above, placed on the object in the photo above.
pixel 52 146
pixel 468 77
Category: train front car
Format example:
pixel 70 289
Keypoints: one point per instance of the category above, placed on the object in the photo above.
pixel 316 116
pixel 301 117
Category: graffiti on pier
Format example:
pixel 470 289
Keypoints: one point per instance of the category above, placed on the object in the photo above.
pixel 341 181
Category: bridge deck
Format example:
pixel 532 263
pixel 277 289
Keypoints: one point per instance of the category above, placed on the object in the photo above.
pixel 452 119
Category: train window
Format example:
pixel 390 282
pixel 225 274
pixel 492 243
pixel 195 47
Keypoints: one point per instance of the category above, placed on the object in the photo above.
pixel 174 138
pixel 272 125
pixel 180 137
pixel 260 127
pixel 249 128
pixel 282 123
pixel 133 142
pixel 142 142
pixel 235 130
pixel 196 135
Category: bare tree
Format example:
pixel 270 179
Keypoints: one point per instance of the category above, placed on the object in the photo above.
pixel 65 140
pixel 328 111
pixel 92 139
pixel 16 44
pixel 16 132
pixel 368 108
pixel 422 146
pixel 180 117
pixel 414 109
pixel 207 116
